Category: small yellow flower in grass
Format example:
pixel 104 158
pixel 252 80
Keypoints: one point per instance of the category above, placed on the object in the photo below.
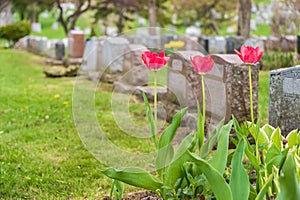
pixel 65 102
pixel 56 96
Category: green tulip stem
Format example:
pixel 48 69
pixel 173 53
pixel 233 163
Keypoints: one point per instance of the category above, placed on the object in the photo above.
pixel 203 106
pixel 251 95
pixel 155 107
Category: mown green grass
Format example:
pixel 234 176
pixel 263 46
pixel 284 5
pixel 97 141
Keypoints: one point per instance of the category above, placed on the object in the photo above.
pixel 41 155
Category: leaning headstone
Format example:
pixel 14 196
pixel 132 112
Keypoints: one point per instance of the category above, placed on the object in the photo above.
pixel 234 43
pixel 235 78
pixel 284 99
pixel 76 44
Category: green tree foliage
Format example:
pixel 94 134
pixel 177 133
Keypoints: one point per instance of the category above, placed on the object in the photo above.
pixel 13 32
pixel 203 11
pixel 30 9
pixel 123 9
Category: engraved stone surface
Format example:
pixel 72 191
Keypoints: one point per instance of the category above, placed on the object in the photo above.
pixel 284 99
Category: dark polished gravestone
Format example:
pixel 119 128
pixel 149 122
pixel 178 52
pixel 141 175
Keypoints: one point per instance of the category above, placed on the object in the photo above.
pixel 284 99
pixel 234 43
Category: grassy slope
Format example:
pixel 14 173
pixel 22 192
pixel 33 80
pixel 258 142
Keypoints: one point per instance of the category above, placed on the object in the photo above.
pixel 41 158
pixel 44 158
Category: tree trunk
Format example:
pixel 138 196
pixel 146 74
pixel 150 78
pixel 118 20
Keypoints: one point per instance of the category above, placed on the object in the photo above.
pixel 152 16
pixel 120 22
pixel 244 18
pixel 213 22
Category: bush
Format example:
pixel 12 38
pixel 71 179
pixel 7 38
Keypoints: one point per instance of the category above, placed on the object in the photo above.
pixel 276 60
pixel 13 32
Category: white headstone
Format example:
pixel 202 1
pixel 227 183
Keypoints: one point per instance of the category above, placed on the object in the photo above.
pixel 193 31
pixel 36 27
pixel 54 26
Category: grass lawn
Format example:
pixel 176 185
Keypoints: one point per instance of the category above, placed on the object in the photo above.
pixel 42 156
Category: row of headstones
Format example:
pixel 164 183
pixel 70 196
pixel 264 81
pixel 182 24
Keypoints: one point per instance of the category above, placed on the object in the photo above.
pixel 55 48
pixel 227 84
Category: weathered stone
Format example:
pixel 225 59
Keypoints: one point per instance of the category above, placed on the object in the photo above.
pixel 89 59
pixel 284 99
pixel 59 50
pixel 59 71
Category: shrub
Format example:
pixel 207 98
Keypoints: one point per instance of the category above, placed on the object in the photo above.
pixel 13 32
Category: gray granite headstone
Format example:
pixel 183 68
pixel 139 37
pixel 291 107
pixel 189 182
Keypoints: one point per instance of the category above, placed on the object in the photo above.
pixel 113 53
pixel 284 99
pixel 288 43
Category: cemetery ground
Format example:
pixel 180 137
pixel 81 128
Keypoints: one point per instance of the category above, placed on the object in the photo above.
pixel 42 156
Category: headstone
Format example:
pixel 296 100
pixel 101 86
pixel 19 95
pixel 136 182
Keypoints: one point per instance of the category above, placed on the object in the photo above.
pixel 259 20
pixel 87 31
pixel 55 26
pixel 254 43
pixel 111 31
pixel 142 21
pixel 217 44
pixel 204 42
pixel 89 59
pixel 134 72
pixel 76 44
pixel 284 99
pixel 234 43
pixel 230 30
pixel 235 78
pixel 193 31
pixel 45 14
pixel 190 43
pixel 288 43
pixel 59 50
pixel 253 25
pixel 272 44
pixel 36 27
pixel 113 53
pixel 298 45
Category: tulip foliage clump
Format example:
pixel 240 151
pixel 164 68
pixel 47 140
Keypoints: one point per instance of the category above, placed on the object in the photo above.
pixel 267 169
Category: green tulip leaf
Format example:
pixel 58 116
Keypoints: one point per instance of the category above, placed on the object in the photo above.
pixel 289 185
pixel 219 159
pixel 239 180
pixel 218 184
pixel 135 177
pixel 209 144
pixel 276 138
pixel 268 130
pixel 265 188
pixel 292 138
